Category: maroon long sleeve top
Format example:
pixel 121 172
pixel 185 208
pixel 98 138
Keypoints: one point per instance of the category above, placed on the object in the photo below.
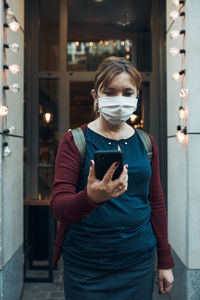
pixel 68 206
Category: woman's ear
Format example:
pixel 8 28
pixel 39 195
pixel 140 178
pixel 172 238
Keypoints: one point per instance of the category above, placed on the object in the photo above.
pixel 94 95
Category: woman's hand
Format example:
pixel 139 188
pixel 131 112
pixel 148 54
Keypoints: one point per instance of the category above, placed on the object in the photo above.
pixel 102 190
pixel 165 280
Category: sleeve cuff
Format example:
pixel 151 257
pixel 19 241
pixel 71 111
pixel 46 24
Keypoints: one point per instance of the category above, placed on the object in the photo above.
pixel 165 259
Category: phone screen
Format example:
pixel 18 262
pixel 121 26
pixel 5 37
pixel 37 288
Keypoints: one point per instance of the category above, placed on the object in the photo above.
pixel 104 159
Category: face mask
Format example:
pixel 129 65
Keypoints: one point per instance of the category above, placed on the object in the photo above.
pixel 117 109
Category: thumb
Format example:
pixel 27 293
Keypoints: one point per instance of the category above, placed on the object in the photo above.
pixel 92 170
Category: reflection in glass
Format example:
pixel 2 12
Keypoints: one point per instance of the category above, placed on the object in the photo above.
pixel 86 56
pixel 49 35
pixel 48 135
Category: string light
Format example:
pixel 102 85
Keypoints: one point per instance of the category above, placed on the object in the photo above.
pixel 6 150
pixel 174 51
pixel 3 110
pixel 181 112
pixel 47 117
pixel 176 33
pixel 177 3
pixel 177 76
pixel 91 44
pixel 14 47
pixel 181 134
pixel 101 42
pixel 174 14
pixel 13 88
pixel 106 43
pixel 77 43
pixel 14 69
pixel 14 26
pixel 183 93
pixel 128 56
pixel 122 43
pixel 12 129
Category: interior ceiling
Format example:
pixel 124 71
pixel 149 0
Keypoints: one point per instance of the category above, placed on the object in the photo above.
pixel 135 12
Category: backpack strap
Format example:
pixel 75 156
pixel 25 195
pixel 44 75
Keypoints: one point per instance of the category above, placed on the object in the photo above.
pixel 147 143
pixel 79 140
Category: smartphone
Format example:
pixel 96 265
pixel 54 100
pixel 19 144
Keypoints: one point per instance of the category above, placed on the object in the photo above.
pixel 104 159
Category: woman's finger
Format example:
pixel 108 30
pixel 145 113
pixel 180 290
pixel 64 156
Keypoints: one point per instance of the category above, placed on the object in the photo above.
pixel 92 174
pixel 161 286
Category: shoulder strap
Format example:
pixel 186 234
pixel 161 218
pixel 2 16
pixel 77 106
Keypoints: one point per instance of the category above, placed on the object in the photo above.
pixel 147 143
pixel 80 143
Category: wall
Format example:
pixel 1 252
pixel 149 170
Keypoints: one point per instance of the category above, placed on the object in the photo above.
pixel 11 168
pixel 184 160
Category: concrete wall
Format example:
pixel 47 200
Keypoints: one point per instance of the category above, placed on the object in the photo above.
pixel 184 160
pixel 11 168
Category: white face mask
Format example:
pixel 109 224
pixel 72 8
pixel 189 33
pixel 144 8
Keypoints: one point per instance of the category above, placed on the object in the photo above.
pixel 117 109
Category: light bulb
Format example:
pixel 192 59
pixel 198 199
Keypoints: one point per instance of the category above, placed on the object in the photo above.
pixel 174 51
pixel 183 93
pixel 3 110
pixel 14 69
pixel 77 43
pixel 176 33
pixel 181 134
pixel 91 44
pixel 177 76
pixel 12 129
pixel 47 117
pixel 10 13
pixel 133 117
pixel 128 56
pixel 6 150
pixel 174 14
pixel 114 44
pixel 14 47
pixel 106 43
pixel 177 3
pixel 14 87
pixel 14 26
pixel 181 112
pixel 128 49
pixel 101 42
pixel 122 43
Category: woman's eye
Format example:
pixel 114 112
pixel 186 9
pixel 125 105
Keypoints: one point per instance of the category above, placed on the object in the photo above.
pixel 129 94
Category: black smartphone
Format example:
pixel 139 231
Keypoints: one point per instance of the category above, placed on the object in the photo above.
pixel 104 159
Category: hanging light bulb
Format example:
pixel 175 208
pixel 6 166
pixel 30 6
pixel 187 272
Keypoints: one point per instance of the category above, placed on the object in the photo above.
pixel 13 88
pixel 177 76
pixel 10 13
pixel 101 42
pixel 176 33
pixel 174 14
pixel 122 43
pixel 181 112
pixel 12 68
pixel 6 150
pixel 91 44
pixel 114 44
pixel 183 93
pixel 47 117
pixel 77 43
pixel 106 43
pixel 12 129
pixel 14 47
pixel 133 117
pixel 14 26
pixel 128 56
pixel 174 51
pixel 3 110
pixel 177 3
pixel 128 49
pixel 180 136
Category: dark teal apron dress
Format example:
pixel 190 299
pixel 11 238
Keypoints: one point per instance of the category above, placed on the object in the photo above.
pixel 110 254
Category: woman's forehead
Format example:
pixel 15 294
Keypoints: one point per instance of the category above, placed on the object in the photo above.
pixel 123 80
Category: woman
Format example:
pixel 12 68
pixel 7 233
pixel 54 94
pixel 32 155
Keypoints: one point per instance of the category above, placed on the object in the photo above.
pixel 113 226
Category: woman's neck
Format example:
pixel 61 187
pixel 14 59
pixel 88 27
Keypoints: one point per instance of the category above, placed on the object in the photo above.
pixel 108 127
